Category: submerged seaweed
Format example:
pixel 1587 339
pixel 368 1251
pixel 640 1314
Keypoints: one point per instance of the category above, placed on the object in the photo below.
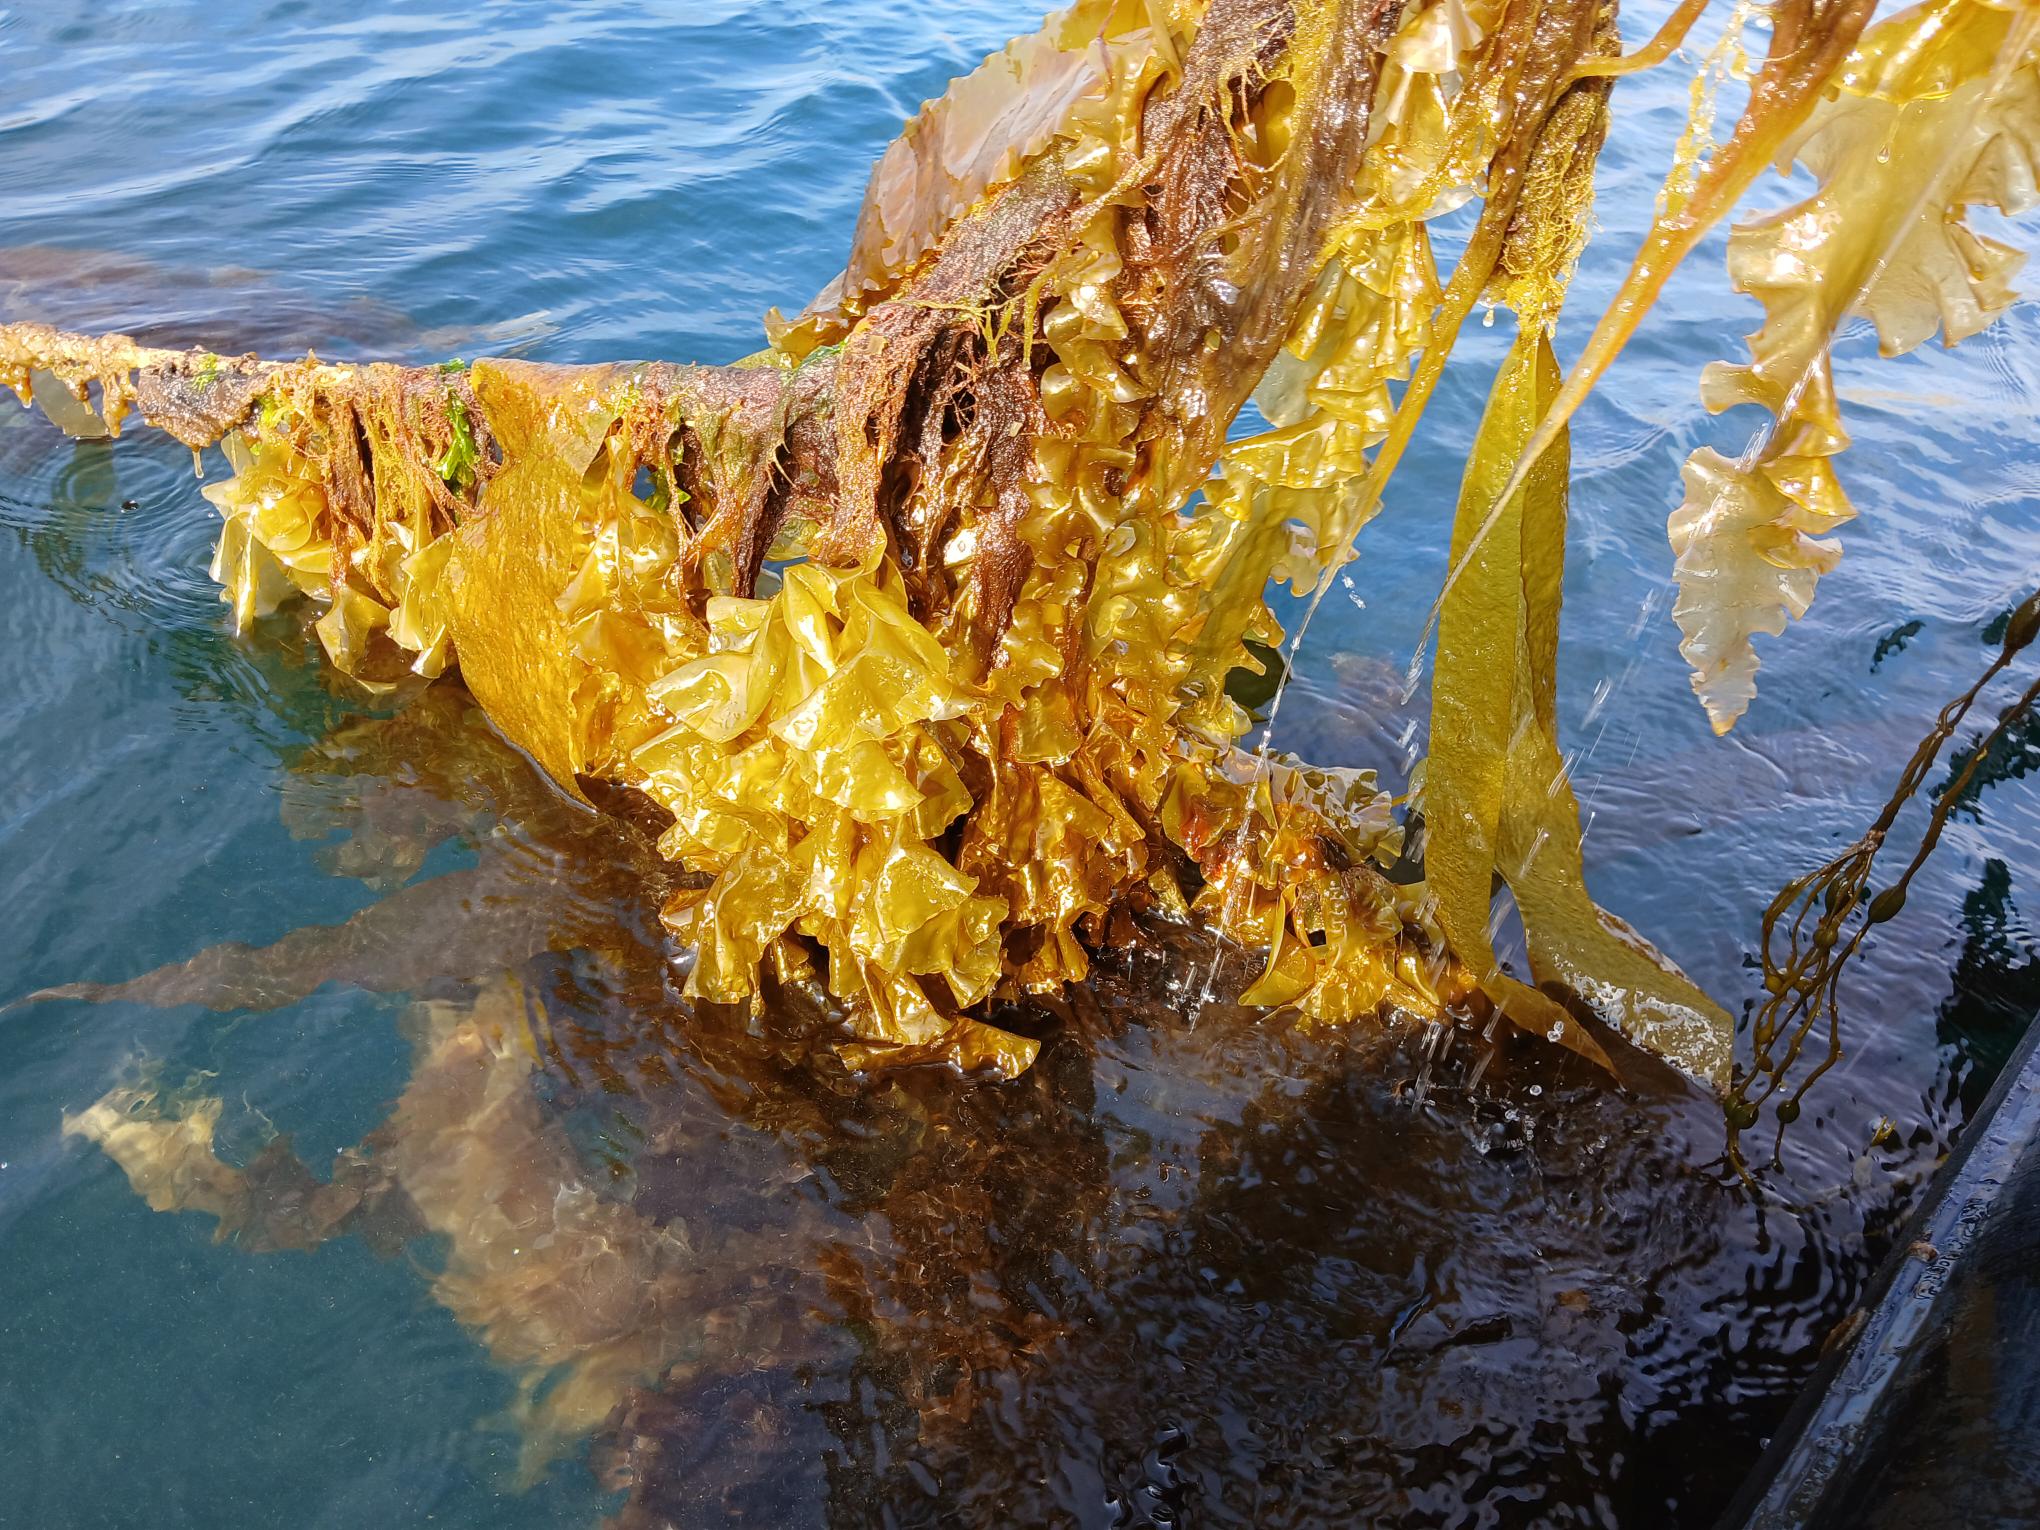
pixel 667 1219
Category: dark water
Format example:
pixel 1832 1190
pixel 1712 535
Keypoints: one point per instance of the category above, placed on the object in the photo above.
pixel 1176 1275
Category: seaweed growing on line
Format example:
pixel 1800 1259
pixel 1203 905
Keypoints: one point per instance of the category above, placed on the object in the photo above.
pixel 913 632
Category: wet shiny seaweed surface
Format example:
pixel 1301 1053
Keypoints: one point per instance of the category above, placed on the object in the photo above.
pixel 1221 1272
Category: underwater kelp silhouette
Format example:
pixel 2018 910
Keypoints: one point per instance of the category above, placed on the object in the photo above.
pixel 655 1214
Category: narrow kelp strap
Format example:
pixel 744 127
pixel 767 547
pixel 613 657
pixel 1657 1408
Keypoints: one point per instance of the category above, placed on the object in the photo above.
pixel 1817 924
pixel 1496 796
pixel 1481 695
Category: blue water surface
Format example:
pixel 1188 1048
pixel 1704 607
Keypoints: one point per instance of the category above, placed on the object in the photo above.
pixel 643 178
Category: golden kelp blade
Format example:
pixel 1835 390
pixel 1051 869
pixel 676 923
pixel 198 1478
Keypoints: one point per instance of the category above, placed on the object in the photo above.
pixel 1474 710
pixel 1495 795
pixel 1572 941
pixel 1939 109
pixel 1810 39
pixel 1473 714
pixel 897 632
pixel 1496 798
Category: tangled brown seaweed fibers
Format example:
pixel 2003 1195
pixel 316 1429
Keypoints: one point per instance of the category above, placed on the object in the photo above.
pixel 903 624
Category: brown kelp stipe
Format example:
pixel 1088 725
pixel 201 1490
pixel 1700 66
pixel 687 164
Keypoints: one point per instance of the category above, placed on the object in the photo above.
pixel 1818 923
pixel 917 632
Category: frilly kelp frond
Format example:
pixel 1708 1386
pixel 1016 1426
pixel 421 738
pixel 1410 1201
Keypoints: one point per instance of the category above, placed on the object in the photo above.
pixel 914 631
pixel 1938 110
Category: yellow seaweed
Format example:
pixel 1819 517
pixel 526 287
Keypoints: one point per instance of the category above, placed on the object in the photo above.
pixel 1938 109
pixel 911 629
pixel 910 641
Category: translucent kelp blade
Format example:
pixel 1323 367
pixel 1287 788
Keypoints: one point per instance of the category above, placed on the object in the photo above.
pixel 982 131
pixel 1496 798
pixel 1572 940
pixel 570 1289
pixel 1477 702
pixel 1809 41
pixel 1939 109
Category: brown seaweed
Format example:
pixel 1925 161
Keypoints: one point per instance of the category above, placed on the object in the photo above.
pixel 903 621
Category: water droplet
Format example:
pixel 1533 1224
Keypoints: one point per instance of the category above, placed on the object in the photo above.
pixel 1487 320
pixel 1602 692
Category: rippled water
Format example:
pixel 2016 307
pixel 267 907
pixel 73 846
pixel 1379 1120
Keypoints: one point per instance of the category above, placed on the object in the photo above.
pixel 1229 1274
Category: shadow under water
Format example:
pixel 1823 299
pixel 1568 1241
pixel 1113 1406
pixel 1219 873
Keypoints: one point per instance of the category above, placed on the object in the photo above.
pixel 1218 1268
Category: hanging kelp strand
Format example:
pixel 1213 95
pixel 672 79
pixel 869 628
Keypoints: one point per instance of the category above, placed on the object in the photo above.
pixel 913 632
pixel 1495 797
pixel 1817 924
pixel 1938 110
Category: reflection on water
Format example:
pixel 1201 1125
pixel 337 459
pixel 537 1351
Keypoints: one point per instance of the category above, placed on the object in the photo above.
pixel 522 1214
pixel 1230 1272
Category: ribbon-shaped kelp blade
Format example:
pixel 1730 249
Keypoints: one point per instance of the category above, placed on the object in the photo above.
pixel 1572 940
pixel 1473 706
pixel 1496 798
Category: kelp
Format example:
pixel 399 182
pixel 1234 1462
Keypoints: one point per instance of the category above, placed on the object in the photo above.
pixel 472 1173
pixel 893 637
pixel 1818 922
pixel 644 1211
pixel 567 1288
pixel 1937 111
pixel 1496 800
pixel 913 633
